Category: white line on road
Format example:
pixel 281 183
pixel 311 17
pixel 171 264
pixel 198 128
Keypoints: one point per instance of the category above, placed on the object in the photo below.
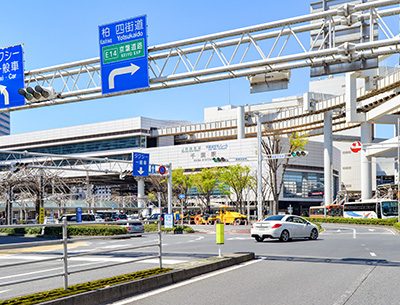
pixel 240 238
pixel 34 272
pixel 93 260
pixel 372 254
pixel 161 290
pixel 5 290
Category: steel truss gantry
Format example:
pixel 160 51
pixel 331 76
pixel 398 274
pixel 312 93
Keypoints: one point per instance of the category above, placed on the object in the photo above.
pixel 242 52
pixel 39 161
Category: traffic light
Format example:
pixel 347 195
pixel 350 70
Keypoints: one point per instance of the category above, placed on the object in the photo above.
pixel 17 166
pixel 299 153
pixel 38 94
pixel 220 159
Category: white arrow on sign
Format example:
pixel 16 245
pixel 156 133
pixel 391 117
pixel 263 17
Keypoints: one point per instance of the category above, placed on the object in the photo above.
pixel 140 171
pixel 5 93
pixel 119 71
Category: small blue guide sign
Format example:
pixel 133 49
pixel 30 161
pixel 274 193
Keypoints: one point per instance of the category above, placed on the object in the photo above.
pixel 11 76
pixel 79 214
pixel 168 221
pixel 123 55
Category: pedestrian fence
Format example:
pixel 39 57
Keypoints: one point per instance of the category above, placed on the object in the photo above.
pixel 65 256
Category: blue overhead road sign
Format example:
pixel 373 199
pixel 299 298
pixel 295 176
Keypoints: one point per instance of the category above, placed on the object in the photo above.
pixel 140 164
pixel 11 76
pixel 123 55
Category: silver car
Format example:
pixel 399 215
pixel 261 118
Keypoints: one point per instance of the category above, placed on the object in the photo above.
pixel 284 227
pixel 134 227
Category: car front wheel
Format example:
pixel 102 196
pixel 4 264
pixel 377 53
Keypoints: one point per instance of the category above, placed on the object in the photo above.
pixel 284 236
pixel 314 234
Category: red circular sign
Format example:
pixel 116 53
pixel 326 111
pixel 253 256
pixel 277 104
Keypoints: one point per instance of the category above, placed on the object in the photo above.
pixel 162 170
pixel 356 147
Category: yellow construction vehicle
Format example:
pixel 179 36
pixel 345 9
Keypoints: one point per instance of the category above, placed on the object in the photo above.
pixel 222 216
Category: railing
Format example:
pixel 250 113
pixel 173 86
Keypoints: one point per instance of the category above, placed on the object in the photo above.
pixel 65 256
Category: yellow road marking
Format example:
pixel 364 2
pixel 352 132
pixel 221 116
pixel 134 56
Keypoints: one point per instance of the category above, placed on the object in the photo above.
pixel 40 248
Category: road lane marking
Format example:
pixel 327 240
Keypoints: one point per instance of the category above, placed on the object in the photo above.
pixel 40 248
pixel 39 271
pixel 372 254
pixel 93 261
pixel 200 278
pixel 240 238
pixel 5 290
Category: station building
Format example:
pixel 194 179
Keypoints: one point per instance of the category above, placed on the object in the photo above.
pixel 185 145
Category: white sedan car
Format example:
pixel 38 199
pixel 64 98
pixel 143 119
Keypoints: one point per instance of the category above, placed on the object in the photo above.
pixel 284 227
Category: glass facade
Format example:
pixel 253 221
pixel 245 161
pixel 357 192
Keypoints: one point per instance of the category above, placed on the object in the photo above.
pixel 306 185
pixel 93 146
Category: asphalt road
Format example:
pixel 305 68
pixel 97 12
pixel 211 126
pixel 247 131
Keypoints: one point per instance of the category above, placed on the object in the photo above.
pixel 346 265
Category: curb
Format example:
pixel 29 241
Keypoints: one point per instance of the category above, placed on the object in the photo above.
pixel 181 272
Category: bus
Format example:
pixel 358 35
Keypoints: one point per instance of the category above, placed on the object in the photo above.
pixel 373 208
pixel 332 210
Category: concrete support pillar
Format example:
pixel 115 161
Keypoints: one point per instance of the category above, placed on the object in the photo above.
pixel 240 123
pixel 366 165
pixel 260 213
pixel 141 199
pixel 351 98
pixel 328 157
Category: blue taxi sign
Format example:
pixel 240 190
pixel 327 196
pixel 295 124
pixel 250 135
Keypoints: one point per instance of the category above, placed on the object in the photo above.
pixel 11 76
pixel 141 164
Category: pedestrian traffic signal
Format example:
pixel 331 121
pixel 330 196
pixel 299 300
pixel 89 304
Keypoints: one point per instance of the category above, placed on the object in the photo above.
pixel 220 159
pixel 38 94
pixel 299 153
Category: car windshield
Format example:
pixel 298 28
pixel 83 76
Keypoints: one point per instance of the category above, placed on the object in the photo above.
pixel 274 218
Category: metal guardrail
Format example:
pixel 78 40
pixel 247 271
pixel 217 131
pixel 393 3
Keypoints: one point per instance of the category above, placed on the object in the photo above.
pixel 66 256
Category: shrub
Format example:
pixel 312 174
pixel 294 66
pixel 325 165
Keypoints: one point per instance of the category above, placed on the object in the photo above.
pixel 58 293
pixel 383 222
pixel 96 230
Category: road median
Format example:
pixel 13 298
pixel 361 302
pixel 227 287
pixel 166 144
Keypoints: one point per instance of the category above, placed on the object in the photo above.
pixel 179 273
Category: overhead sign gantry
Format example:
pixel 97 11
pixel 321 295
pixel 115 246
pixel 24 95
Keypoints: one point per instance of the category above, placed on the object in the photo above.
pixel 243 52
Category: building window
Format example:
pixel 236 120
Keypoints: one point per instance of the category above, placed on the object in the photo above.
pixel 305 185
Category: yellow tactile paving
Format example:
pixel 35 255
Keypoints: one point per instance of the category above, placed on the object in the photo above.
pixel 40 248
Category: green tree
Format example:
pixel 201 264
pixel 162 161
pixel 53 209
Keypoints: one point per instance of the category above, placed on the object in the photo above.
pixel 238 178
pixel 273 145
pixel 181 183
pixel 205 182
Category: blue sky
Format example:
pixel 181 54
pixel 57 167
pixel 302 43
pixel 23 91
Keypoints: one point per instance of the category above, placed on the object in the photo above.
pixel 56 32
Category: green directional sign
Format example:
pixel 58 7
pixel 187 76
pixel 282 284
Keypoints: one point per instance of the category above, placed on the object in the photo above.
pixel 123 51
